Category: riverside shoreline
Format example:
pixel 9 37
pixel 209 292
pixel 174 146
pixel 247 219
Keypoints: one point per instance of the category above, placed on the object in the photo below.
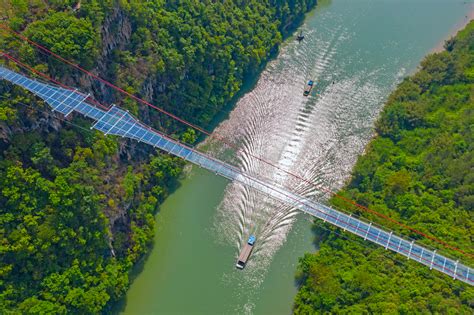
pixel 459 26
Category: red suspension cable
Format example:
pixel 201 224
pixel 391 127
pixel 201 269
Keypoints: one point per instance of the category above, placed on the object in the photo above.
pixel 225 142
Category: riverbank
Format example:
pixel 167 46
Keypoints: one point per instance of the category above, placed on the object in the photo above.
pixel 251 79
pixel 416 170
pixel 458 27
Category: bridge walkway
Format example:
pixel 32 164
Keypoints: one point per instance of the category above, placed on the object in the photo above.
pixel 116 121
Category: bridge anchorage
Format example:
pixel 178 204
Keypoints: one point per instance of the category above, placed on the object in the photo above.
pixel 116 121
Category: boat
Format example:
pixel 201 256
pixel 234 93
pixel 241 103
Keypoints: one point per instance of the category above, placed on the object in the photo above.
pixel 245 253
pixel 300 37
pixel 308 88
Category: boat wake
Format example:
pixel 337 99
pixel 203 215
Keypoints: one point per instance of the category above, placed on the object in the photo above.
pixel 317 137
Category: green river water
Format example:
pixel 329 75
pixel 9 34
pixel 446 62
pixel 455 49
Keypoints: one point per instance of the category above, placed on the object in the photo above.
pixel 356 51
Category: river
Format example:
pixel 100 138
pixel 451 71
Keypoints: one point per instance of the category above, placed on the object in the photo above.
pixel 356 52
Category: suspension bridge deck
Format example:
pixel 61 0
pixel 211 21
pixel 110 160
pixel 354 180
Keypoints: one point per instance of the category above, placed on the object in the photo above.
pixel 116 121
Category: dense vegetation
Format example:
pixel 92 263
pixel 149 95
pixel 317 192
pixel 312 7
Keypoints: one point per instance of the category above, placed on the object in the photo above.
pixel 76 207
pixel 419 170
pixel 73 220
pixel 190 57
